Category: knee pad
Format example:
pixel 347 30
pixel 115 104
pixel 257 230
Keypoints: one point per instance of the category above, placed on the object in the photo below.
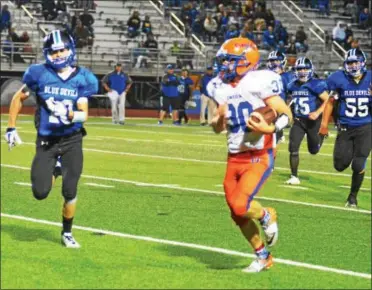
pixel 358 165
pixel 314 150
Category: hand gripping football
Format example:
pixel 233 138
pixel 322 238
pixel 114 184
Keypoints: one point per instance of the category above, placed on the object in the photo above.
pixel 268 114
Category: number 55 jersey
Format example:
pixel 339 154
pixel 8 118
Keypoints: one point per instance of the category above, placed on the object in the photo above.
pixel 48 86
pixel 242 99
pixel 355 99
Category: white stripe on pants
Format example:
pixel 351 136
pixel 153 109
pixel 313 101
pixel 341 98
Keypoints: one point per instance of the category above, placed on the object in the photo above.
pixel 206 102
pixel 117 105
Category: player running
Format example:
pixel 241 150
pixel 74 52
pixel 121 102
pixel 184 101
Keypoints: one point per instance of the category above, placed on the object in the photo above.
pixel 276 62
pixel 62 91
pixel 250 142
pixel 309 96
pixel 351 98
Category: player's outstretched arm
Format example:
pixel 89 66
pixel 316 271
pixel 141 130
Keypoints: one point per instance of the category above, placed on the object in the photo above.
pixel 82 114
pixel 16 105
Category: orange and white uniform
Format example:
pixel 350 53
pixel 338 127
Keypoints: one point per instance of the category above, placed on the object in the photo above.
pixel 250 155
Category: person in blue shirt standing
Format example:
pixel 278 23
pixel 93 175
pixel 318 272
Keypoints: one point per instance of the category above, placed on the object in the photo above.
pixel 170 95
pixel 276 62
pixel 206 101
pixel 117 84
pixel 185 91
pixel 309 95
pixel 351 103
pixel 62 91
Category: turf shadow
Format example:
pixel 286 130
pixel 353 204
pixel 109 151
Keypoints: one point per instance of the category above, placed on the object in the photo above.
pixel 29 234
pixel 212 260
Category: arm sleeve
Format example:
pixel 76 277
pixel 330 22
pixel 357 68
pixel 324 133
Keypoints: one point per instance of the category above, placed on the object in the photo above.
pixel 91 85
pixel 320 87
pixel 105 79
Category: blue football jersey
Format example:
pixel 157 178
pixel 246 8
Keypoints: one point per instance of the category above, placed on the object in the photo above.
pixel 306 96
pixel 183 87
pixel 286 77
pixel 355 100
pixel 46 83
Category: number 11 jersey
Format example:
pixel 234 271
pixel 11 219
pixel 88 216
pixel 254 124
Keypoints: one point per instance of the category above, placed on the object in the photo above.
pixel 46 83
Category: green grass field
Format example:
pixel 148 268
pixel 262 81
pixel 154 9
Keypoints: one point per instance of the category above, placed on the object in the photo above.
pixel 151 214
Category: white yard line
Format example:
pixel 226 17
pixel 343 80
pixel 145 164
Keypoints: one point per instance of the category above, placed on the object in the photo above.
pixel 99 185
pixel 23 183
pixel 348 187
pixel 139 183
pixel 194 246
pixel 294 187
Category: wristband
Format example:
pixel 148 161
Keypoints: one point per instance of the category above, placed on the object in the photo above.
pixel 281 122
pixel 79 117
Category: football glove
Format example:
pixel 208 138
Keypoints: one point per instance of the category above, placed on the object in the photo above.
pixel 58 109
pixel 12 138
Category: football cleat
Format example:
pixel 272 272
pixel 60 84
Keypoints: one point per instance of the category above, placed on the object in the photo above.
pixel 271 229
pixel 293 180
pixel 259 265
pixel 351 202
pixel 68 241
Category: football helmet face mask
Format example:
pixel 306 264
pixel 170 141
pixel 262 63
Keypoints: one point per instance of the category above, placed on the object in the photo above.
pixel 59 49
pixel 276 61
pixel 355 62
pixel 303 69
pixel 236 57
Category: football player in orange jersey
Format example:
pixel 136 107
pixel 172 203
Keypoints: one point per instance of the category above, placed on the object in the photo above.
pixel 250 141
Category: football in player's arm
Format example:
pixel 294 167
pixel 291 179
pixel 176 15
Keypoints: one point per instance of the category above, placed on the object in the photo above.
pixel 62 91
pixel 309 95
pixel 351 103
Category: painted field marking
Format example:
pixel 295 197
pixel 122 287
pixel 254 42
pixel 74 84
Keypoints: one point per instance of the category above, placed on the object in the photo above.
pixel 23 183
pixel 294 187
pixel 219 185
pixel 99 185
pixel 194 246
pixel 194 160
pixel 348 187
pixel 138 183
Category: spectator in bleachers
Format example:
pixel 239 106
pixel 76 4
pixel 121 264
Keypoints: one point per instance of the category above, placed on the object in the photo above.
pixel 13 35
pixel 11 49
pixel 301 38
pixel 351 9
pixel 152 46
pixel 25 39
pixel 82 4
pixel 6 19
pixel 338 33
pixel 87 19
pixel 82 35
pixel 134 23
pixel 365 19
pixel 348 31
pixel 193 11
pixel 140 56
pixel 197 27
pixel 323 6
pixel 281 47
pixel 268 39
pixel 280 32
pixel 292 49
pixel 224 21
pixel 187 56
pixel 74 19
pixel 210 26
pixel 269 18
pixel 185 14
pixel 146 25
pixel 348 42
pixel 49 10
pixel 175 51
pixel 259 13
pixel 248 9
pixel 232 32
pixel 247 31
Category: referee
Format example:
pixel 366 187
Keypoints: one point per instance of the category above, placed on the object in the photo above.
pixel 170 95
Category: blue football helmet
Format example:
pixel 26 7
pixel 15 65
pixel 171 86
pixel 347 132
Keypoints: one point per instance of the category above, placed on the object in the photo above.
pixel 355 62
pixel 58 40
pixel 276 60
pixel 303 69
